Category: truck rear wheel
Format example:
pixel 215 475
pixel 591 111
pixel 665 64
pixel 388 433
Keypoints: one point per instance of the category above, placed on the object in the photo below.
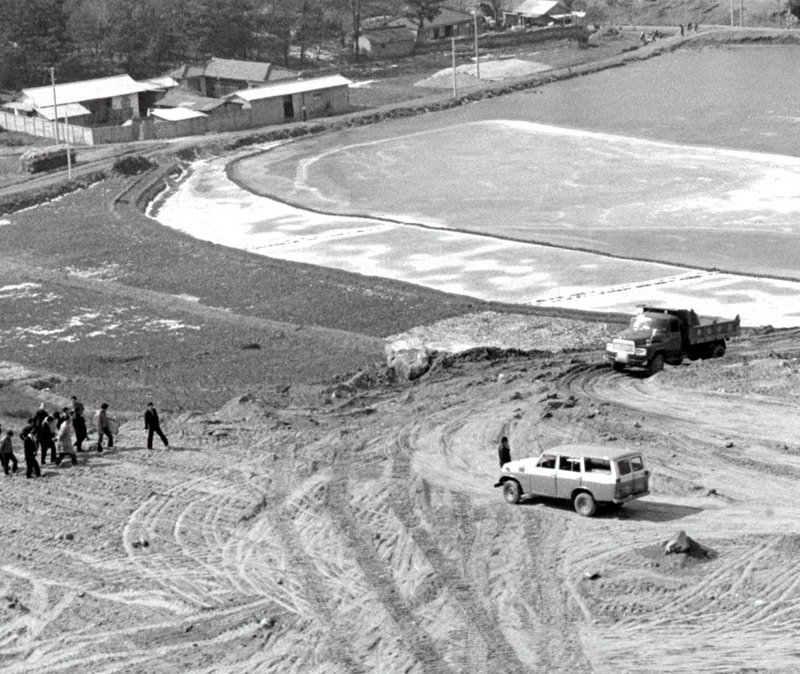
pixel 717 351
pixel 512 492
pixel 618 367
pixel 656 363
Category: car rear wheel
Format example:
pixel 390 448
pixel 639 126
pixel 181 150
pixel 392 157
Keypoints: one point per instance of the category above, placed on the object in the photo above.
pixel 512 492
pixel 584 504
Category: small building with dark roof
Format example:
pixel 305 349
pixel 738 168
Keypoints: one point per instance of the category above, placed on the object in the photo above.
pixel 216 78
pixel 386 42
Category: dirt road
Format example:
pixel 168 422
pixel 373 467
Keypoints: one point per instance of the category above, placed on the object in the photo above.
pixel 355 529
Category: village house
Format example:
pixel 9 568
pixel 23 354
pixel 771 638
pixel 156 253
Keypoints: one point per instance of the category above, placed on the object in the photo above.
pixel 216 78
pixel 296 100
pixel 386 42
pixel 446 24
pixel 104 101
pixel 191 100
pixel 538 13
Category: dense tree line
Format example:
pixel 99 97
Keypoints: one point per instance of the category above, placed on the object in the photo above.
pixel 93 38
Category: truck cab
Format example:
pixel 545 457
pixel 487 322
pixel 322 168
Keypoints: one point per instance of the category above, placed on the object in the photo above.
pixel 658 335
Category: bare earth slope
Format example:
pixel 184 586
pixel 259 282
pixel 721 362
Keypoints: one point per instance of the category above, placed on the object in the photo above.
pixel 354 528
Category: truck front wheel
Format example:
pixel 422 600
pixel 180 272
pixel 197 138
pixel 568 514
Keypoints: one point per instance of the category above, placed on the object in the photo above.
pixel 656 363
pixel 618 367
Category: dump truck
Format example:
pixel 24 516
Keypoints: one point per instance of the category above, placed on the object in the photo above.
pixel 659 335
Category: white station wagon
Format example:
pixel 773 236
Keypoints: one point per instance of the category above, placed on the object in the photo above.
pixel 587 475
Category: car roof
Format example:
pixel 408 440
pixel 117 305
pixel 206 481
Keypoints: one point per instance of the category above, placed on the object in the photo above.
pixel 593 451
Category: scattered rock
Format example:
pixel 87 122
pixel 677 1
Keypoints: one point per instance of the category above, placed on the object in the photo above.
pixel 678 543
pixel 591 414
pixel 547 415
pixel 729 444
pixel 516 396
pixel 591 575
pixel 636 424
pixel 712 492
pixel 554 404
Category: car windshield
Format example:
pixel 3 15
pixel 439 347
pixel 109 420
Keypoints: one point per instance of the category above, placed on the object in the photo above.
pixel 644 322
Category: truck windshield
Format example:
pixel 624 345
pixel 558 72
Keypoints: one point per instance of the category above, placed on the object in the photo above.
pixel 645 322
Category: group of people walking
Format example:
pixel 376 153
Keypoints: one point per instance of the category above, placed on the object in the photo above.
pixel 61 434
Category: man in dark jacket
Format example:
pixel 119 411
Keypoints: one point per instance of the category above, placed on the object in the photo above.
pixel 31 464
pixel 7 453
pixel 46 440
pixel 504 451
pixel 152 425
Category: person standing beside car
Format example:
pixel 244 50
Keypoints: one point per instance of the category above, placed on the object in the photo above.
pixel 504 451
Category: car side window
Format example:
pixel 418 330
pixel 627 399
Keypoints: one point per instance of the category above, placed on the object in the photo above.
pixel 570 464
pixel 546 461
pixel 636 464
pixel 624 466
pixel 597 465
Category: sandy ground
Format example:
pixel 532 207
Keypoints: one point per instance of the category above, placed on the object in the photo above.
pixel 354 528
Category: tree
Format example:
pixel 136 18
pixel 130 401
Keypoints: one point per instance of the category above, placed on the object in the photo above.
pixel 420 11
pixel 35 40
pixel 794 8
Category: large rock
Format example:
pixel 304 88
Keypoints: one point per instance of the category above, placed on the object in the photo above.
pixel 680 542
pixel 409 358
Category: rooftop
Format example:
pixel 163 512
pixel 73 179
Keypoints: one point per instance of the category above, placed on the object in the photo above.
pixel 288 88
pixel 86 90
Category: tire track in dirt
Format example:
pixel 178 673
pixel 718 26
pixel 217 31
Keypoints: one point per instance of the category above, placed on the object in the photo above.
pixel 480 617
pixel 349 524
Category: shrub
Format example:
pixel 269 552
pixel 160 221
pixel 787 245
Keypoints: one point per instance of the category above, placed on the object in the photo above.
pixel 133 164
pixel 45 159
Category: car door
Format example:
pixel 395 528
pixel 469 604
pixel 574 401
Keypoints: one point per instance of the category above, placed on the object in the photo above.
pixel 543 476
pixel 624 478
pixel 640 476
pixel 568 475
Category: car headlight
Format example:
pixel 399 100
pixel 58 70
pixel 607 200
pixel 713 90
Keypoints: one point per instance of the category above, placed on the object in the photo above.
pixel 640 351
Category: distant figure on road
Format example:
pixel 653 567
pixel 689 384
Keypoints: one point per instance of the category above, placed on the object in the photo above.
pixel 103 427
pixel 152 425
pixel 31 464
pixel 504 451
pixel 7 453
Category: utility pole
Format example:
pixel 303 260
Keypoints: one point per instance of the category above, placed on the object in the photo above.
pixel 55 105
pixel 731 13
pixel 741 13
pixel 477 57
pixel 455 84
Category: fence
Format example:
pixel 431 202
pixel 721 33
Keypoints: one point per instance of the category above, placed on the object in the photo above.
pixel 142 130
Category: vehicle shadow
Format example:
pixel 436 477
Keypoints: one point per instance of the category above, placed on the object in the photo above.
pixel 646 511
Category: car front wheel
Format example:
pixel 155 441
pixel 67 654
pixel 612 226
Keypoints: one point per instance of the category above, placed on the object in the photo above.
pixel 584 504
pixel 512 492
